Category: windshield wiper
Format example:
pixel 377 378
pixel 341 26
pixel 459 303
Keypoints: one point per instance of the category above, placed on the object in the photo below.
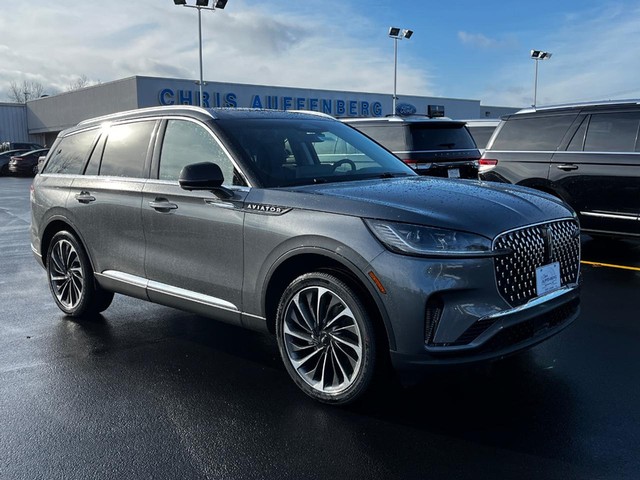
pixel 391 175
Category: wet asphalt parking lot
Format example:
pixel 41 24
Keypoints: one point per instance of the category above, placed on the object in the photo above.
pixel 145 391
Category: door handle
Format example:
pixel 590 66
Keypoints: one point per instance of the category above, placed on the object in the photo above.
pixel 567 166
pixel 162 205
pixel 85 197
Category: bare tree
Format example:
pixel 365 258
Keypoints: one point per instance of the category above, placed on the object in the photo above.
pixel 79 83
pixel 27 90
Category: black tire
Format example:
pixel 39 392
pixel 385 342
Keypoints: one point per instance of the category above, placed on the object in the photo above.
pixel 71 279
pixel 326 338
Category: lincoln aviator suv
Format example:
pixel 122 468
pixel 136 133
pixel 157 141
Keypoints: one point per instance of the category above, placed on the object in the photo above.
pixel 350 261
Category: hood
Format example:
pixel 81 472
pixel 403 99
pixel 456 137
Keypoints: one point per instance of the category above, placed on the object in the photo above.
pixel 473 206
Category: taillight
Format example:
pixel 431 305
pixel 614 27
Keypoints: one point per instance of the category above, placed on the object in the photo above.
pixel 411 163
pixel 486 164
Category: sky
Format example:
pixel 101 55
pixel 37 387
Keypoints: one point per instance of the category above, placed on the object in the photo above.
pixel 464 49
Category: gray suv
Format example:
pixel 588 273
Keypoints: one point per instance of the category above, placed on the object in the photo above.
pixel 352 262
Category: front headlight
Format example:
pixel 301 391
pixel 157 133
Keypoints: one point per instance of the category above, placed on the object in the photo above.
pixel 428 241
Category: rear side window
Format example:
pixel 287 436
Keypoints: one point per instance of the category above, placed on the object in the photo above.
pixel 612 132
pixel 440 137
pixel 393 137
pixel 126 148
pixel 481 135
pixel 533 134
pixel 71 153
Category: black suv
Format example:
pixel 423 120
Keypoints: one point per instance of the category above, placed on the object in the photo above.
pixel 438 147
pixel 587 154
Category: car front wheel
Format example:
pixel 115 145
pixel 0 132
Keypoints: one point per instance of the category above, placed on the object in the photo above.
pixel 326 338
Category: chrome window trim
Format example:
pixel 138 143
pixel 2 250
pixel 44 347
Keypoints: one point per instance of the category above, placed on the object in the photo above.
pixel 437 151
pixel 489 151
pixel 562 151
pixel 595 152
pixel 215 138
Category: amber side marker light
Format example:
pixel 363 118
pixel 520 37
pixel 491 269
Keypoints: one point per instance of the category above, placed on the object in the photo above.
pixel 377 281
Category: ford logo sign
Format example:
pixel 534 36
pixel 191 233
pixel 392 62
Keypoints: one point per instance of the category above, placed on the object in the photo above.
pixel 405 109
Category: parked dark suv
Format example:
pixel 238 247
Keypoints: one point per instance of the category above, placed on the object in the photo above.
pixel 4 146
pixel 587 154
pixel 242 216
pixel 438 147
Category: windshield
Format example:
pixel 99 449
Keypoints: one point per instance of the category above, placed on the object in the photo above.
pixel 301 152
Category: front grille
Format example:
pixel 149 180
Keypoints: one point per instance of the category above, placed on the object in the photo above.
pixel 532 247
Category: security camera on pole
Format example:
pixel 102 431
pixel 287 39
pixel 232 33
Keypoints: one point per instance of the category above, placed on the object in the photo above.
pixel 537 55
pixel 397 34
pixel 200 5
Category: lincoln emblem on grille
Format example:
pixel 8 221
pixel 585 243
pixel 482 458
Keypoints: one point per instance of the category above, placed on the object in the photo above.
pixel 547 235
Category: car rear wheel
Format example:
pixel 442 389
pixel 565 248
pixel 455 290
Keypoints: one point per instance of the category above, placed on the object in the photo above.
pixel 326 338
pixel 71 279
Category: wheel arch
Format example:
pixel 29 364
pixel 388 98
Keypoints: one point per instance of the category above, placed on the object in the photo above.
pixel 58 225
pixel 303 261
pixel 546 186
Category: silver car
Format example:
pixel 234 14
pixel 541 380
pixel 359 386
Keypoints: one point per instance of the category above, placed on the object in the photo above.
pixel 352 262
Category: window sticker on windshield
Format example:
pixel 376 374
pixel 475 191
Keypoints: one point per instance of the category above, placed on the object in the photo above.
pixel 548 278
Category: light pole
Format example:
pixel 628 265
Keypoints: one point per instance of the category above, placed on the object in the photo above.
pixel 537 55
pixel 397 34
pixel 200 5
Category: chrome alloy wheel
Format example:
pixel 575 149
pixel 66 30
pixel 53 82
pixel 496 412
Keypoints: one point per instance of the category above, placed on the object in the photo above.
pixel 65 274
pixel 322 340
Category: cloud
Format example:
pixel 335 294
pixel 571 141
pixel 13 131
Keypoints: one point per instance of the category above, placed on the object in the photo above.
pixel 314 44
pixel 478 40
pixel 595 57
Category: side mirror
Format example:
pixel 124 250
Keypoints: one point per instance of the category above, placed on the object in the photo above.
pixel 204 176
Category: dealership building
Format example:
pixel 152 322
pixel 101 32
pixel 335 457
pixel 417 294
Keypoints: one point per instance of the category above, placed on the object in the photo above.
pixel 41 120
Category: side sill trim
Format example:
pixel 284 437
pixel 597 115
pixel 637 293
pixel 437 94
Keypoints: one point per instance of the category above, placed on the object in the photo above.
pixel 162 288
pixel 609 215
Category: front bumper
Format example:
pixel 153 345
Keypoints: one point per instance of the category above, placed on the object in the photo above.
pixel 449 311
pixel 511 332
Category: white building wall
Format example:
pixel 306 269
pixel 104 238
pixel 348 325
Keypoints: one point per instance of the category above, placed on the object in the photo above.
pixel 47 116
pixel 57 112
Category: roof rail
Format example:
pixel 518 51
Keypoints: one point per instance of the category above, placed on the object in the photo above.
pixel 313 112
pixel 579 105
pixel 143 112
